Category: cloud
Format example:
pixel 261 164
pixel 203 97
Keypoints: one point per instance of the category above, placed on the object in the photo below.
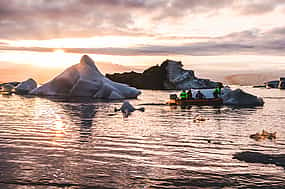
pixel 46 19
pixel 61 19
pixel 251 42
pixel 257 7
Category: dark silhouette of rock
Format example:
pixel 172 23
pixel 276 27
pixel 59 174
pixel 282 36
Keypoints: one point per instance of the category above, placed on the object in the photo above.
pixel 133 79
pixel 169 75
pixel 151 78
pixel 256 157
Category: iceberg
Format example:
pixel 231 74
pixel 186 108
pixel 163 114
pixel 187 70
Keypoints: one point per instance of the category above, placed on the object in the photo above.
pixel 179 78
pixel 85 80
pixel 127 109
pixel 240 98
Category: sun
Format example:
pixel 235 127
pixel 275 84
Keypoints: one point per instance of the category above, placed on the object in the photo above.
pixel 55 58
pixel 58 58
pixel 58 51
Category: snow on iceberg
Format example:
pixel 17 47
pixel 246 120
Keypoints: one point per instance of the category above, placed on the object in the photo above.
pixel 178 78
pixel 85 80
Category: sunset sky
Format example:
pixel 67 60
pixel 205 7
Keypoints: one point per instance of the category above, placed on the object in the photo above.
pixel 206 34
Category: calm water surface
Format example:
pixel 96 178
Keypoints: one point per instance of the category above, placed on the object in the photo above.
pixel 55 143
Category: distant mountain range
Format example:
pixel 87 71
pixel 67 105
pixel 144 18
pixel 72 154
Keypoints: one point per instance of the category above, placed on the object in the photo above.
pixel 253 78
pixel 241 77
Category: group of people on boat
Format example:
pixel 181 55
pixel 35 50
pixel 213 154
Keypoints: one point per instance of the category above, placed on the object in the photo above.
pixel 187 95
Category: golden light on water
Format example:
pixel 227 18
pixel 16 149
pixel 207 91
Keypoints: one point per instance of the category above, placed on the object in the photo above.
pixel 57 129
pixel 58 125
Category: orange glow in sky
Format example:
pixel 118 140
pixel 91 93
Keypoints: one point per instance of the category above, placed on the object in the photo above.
pixel 224 35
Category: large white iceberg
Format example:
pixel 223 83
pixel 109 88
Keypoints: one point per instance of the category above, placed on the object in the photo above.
pixel 85 80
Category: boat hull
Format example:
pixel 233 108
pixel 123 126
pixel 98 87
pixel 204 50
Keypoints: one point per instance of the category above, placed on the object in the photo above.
pixel 198 102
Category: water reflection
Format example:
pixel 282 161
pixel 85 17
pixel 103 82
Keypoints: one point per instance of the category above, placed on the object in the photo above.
pixel 77 144
pixel 82 115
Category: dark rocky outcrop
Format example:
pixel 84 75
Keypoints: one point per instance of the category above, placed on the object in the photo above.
pixel 169 75
pixel 152 78
pixel 257 157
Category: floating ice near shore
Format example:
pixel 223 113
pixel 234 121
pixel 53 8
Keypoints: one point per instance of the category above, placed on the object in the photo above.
pixel 26 86
pixel 240 98
pixel 127 109
pixel 85 80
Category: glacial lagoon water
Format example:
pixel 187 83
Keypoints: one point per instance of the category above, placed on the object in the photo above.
pixel 48 143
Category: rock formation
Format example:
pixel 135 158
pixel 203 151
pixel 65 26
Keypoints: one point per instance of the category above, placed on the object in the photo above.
pixel 85 80
pixel 169 75
pixel 26 86
pixel 257 157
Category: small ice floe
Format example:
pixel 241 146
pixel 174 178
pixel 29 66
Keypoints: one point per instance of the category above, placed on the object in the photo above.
pixel 199 118
pixel 26 86
pixel 127 109
pixel 6 89
pixel 263 135
pixel 239 98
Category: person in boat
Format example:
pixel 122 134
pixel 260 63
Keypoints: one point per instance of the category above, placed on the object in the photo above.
pixel 217 92
pixel 189 94
pixel 200 95
pixel 183 95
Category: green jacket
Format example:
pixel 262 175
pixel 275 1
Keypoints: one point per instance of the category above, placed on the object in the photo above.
pixel 218 91
pixel 183 95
